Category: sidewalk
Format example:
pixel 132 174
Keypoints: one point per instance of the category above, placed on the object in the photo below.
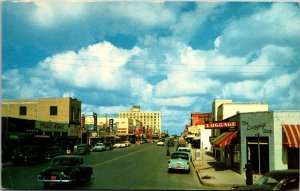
pixel 214 173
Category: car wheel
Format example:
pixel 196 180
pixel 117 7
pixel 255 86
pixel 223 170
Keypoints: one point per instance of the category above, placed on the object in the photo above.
pixel 169 170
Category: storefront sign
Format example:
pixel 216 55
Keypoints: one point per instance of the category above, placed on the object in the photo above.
pixel 221 125
pixel 51 126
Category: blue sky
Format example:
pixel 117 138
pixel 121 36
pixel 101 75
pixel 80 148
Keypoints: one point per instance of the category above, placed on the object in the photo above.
pixel 173 57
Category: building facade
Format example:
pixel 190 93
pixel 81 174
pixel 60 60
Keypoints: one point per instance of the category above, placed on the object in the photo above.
pixel 45 120
pixel 269 140
pixel 151 119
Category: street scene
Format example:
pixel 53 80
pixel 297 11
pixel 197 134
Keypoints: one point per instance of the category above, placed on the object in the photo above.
pixel 142 166
pixel 150 95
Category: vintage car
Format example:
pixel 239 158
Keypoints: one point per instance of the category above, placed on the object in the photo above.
pixel 99 147
pixel 65 169
pixel 127 143
pixel 187 150
pixel 53 152
pixel 275 180
pixel 179 161
pixel 29 155
pixel 83 149
pixel 160 143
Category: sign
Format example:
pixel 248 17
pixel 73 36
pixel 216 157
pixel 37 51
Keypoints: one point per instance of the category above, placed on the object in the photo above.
pixel 221 125
pixel 111 124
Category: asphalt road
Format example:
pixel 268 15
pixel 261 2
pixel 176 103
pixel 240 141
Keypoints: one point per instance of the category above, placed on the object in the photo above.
pixel 137 167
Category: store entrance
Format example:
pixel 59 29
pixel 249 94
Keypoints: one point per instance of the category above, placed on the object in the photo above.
pixel 254 145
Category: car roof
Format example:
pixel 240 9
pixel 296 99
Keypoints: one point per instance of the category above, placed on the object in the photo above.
pixel 180 152
pixel 281 174
pixel 67 156
pixel 184 148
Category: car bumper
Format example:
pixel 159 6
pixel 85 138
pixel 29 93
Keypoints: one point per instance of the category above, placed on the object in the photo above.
pixel 55 181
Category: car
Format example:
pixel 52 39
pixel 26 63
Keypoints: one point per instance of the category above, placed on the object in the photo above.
pixel 65 169
pixel 179 161
pixel 53 152
pixel 160 143
pixel 99 147
pixel 127 143
pixel 83 149
pixel 108 145
pixel 29 155
pixel 275 180
pixel 187 150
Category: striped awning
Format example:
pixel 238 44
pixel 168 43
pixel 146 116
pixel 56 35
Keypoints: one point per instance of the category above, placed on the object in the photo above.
pixel 291 135
pixel 226 140
pixel 218 138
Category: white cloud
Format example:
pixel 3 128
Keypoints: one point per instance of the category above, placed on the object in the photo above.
pixel 48 13
pixel 97 66
pixel 183 101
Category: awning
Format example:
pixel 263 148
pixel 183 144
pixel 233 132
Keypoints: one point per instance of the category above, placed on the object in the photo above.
pixel 291 135
pixel 224 141
pixel 218 138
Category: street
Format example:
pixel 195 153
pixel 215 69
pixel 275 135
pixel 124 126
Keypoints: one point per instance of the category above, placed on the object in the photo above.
pixel 137 167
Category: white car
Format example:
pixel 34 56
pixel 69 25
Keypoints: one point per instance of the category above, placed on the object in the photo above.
pixel 185 149
pixel 160 143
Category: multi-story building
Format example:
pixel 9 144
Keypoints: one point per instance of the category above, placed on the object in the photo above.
pixel 150 119
pixel 51 119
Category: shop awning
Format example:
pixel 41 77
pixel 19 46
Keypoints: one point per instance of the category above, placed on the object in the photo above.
pixel 218 138
pixel 224 141
pixel 291 135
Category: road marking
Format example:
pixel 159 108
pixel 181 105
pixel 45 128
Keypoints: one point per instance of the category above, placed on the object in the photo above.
pixel 120 157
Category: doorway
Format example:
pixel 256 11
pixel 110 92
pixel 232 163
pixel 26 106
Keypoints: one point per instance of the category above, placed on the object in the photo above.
pixel 258 148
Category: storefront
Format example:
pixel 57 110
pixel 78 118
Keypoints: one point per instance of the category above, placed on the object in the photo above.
pixel 268 140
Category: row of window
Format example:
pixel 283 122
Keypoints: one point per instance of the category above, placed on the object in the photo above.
pixel 23 110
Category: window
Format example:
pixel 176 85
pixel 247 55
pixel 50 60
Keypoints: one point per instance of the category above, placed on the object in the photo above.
pixel 23 110
pixel 53 110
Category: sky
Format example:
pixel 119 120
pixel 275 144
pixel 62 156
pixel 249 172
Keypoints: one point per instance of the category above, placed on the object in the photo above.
pixel 173 57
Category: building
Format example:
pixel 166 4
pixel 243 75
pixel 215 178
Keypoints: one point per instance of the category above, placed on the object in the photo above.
pixel 198 118
pixel 41 121
pixel 269 140
pixel 223 109
pixel 150 119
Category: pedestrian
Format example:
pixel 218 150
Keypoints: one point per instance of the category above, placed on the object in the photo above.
pixel 168 152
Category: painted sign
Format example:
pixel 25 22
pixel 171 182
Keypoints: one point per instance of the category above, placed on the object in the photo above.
pixel 51 126
pixel 221 125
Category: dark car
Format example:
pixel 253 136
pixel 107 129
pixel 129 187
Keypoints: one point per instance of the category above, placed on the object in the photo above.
pixel 108 145
pixel 65 169
pixel 29 155
pixel 83 149
pixel 275 180
pixel 53 152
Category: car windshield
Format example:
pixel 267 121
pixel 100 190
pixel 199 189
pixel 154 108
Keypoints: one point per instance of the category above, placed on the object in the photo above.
pixel 179 156
pixel 267 182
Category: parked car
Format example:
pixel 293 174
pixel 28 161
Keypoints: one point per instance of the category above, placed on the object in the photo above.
pixel 53 152
pixel 65 169
pixel 160 143
pixel 119 145
pixel 83 149
pixel 187 150
pixel 127 143
pixel 179 161
pixel 29 155
pixel 275 180
pixel 108 145
pixel 99 147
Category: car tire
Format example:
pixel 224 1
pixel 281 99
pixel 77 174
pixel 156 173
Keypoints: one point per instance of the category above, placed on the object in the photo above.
pixel 88 178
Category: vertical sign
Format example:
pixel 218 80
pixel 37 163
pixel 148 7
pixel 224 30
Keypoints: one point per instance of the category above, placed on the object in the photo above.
pixel 82 122
pixel 95 121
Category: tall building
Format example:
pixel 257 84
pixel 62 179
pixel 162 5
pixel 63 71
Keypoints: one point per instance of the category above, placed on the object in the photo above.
pixel 150 119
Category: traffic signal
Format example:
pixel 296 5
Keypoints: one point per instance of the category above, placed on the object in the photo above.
pixel 111 124
pixel 95 121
